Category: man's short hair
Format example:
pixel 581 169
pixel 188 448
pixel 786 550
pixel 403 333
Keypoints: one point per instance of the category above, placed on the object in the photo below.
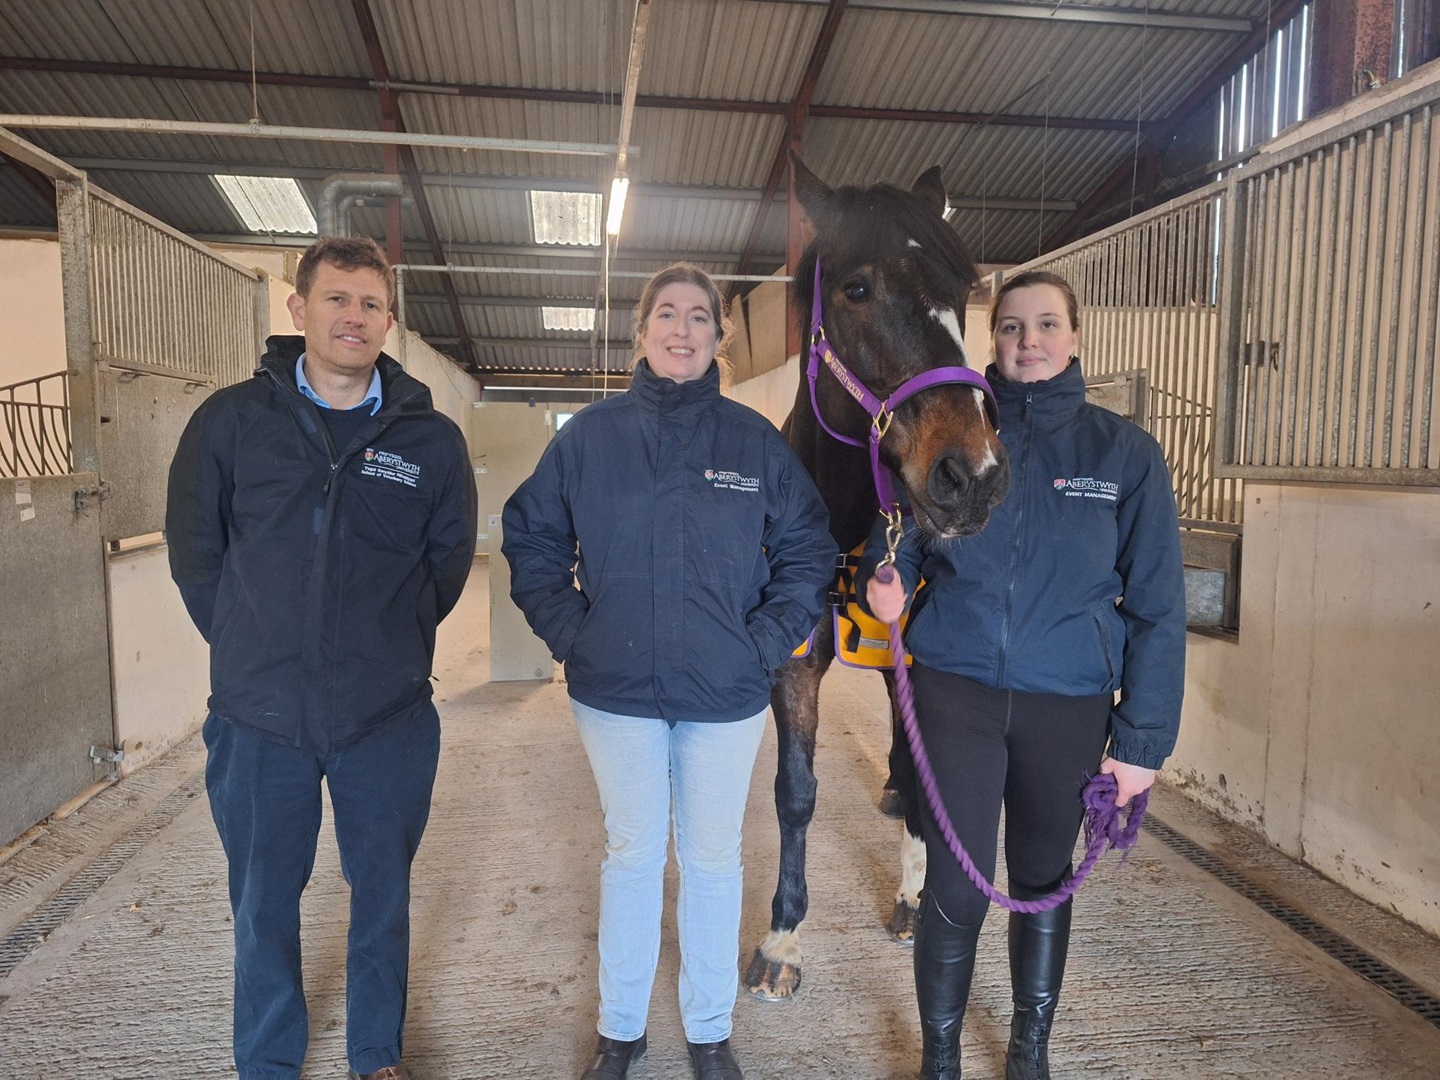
pixel 346 253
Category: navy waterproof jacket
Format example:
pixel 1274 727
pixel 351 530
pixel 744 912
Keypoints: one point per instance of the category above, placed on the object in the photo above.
pixel 319 573
pixel 1076 585
pixel 702 546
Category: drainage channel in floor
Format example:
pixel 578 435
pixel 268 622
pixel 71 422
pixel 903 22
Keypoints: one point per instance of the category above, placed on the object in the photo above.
pixel 41 923
pixel 1362 963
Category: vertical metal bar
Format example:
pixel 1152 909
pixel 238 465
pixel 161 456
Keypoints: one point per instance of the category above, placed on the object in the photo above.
pixel 1234 242
pixel 1298 360
pixel 1327 284
pixel 1376 300
pixel 1430 338
pixel 1261 289
pixel 1362 243
pixel 1413 458
pixel 1394 295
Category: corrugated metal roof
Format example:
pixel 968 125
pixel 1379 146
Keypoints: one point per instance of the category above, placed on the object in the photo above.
pixel 701 53
pixel 728 50
pixel 555 44
pixel 22 206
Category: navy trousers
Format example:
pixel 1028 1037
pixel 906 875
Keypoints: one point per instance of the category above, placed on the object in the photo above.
pixel 265 799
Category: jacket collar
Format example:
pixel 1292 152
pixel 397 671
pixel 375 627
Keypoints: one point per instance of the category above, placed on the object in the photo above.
pixel 1052 401
pixel 402 393
pixel 671 399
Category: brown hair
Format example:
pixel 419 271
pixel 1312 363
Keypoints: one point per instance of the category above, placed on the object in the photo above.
pixel 345 253
pixel 1036 277
pixel 685 274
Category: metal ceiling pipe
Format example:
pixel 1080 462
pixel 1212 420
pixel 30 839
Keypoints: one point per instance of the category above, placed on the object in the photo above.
pixel 337 197
pixel 273 131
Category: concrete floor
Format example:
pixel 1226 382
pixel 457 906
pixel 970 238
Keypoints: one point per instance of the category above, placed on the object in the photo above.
pixel 1173 974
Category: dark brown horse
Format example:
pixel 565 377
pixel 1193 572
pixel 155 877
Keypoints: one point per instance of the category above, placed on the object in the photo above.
pixel 895 282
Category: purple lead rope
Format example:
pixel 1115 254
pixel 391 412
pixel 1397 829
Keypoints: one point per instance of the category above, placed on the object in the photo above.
pixel 1106 825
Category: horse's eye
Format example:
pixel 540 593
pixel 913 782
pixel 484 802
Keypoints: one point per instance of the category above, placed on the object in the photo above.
pixel 857 292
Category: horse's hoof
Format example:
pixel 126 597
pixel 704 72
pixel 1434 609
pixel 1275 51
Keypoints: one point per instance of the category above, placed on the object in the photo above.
pixel 772 980
pixel 891 804
pixel 901 926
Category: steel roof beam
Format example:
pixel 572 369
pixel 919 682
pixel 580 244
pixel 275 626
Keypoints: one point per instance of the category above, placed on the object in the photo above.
pixel 391 111
pixel 616 345
pixel 575 97
pixel 797 112
pixel 1052 12
pixel 520 183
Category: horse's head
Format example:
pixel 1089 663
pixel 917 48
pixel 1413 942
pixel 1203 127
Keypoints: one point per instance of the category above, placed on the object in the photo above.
pixel 895 279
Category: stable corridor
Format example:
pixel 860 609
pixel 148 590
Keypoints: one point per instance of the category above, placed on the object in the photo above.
pixel 1205 954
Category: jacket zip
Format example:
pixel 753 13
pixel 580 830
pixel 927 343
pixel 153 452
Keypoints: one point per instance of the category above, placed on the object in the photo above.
pixel 1029 414
pixel 331 491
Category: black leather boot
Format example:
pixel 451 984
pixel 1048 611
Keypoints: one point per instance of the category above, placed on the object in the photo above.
pixel 1038 947
pixel 944 964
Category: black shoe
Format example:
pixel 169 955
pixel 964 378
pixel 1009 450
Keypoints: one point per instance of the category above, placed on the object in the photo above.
pixel 714 1061
pixel 613 1058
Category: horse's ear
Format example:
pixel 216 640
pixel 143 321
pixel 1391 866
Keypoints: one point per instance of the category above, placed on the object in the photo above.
pixel 931 188
pixel 814 194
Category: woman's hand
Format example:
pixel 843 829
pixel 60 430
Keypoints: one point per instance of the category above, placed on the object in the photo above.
pixel 1130 780
pixel 886 599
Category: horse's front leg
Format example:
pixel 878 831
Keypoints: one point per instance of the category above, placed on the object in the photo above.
pixel 905 790
pixel 774 971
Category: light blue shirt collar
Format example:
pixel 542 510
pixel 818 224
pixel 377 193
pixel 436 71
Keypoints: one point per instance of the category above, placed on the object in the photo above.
pixel 372 392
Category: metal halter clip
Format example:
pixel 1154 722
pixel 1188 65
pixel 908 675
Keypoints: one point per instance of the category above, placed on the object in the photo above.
pixel 894 533
pixel 881 422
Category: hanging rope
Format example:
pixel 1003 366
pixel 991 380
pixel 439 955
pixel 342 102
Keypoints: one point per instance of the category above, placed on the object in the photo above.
pixel 1106 825
pixel 254 82
pixel 1139 110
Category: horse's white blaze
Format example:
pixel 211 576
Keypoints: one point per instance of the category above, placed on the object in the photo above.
pixel 912 869
pixel 946 317
pixel 783 946
pixel 989 461
pixel 912 242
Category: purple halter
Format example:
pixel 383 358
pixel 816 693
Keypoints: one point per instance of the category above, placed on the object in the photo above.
pixel 880 412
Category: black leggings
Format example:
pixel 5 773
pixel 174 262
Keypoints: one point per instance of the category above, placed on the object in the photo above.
pixel 1031 751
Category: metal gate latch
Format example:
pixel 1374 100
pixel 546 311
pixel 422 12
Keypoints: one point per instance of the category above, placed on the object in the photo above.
pixel 102 754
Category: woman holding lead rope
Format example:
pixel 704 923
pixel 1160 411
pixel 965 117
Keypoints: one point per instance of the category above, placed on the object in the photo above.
pixel 1021 638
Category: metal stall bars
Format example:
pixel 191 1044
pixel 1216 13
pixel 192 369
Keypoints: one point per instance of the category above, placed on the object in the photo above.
pixel 35 427
pixel 1333 338
pixel 171 321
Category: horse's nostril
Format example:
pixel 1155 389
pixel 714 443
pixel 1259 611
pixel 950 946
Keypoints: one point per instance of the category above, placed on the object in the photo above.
pixel 949 476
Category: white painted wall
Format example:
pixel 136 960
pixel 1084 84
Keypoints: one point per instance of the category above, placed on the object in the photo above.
pixel 1318 728
pixel 772 394
pixel 33 342
pixel 161 664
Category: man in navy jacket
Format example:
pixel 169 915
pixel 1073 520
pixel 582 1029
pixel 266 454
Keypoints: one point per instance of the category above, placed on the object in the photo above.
pixel 321 523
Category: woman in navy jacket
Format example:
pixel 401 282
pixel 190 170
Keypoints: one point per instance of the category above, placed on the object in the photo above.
pixel 702 553
pixel 1021 638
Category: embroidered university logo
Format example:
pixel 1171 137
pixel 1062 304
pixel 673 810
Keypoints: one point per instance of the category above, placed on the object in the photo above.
pixel 1087 487
pixel 732 481
pixel 388 466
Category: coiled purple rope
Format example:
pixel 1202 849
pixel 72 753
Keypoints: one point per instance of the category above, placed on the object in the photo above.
pixel 1106 825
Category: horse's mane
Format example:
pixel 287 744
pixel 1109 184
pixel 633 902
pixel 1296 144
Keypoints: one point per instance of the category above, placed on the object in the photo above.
pixel 880 219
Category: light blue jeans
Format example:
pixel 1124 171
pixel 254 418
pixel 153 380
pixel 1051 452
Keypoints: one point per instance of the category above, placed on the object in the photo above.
pixel 643 769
